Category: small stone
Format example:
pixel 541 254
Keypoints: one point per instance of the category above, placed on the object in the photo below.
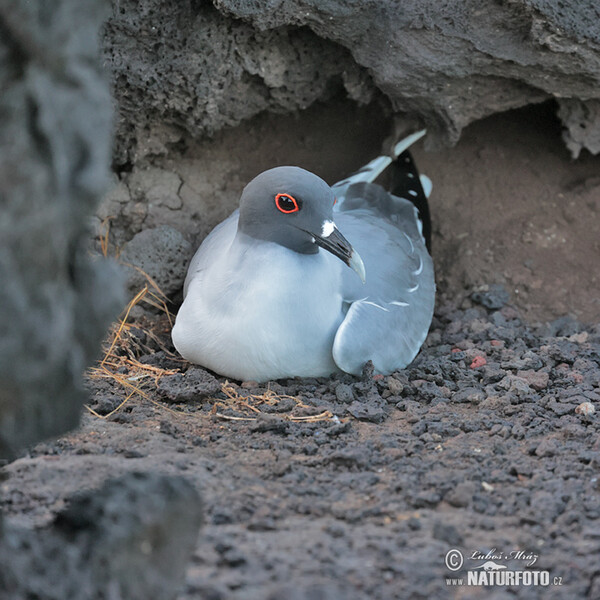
pixel 514 384
pixel 461 495
pixel 272 423
pixel 249 385
pixel 344 393
pixel 365 412
pixel 395 386
pixel 538 380
pixel 478 361
pixel 447 533
pixel 426 499
pixel 470 394
pixel 560 408
pixel 585 408
pixel 547 447
pixel 195 384
pixel 579 338
pixel 493 297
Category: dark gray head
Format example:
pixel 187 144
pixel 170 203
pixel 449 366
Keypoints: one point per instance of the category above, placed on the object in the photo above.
pixel 294 208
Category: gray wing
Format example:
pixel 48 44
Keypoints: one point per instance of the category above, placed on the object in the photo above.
pixel 219 238
pixel 388 318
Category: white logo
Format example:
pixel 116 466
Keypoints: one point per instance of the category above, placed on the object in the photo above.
pixel 493 573
pixel 490 565
pixel 454 559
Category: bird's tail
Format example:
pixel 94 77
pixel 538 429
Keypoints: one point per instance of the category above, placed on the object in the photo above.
pixel 405 183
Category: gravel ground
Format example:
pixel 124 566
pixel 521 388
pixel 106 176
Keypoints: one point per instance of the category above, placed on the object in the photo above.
pixel 350 487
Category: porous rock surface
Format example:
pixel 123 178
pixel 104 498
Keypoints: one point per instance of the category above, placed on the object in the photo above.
pixel 55 121
pixel 186 67
pixel 191 67
pixel 162 254
pixel 130 539
pixel 482 443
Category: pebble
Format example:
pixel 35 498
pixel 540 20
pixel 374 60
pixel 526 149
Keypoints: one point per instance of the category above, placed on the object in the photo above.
pixel 461 495
pixel 344 393
pixel 447 533
pixel 547 447
pixel 395 386
pixel 585 408
pixel 538 380
pixel 366 412
pixel 478 361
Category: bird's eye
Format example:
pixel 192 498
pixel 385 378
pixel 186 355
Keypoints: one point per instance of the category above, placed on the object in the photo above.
pixel 286 204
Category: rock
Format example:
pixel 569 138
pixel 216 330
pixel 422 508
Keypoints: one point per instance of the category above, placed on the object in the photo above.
pixel 194 384
pixel 447 533
pixel 344 393
pixel 494 297
pixel 538 380
pixel 478 361
pixel 585 408
pixel 470 394
pixel 582 124
pixel 132 539
pixel 55 141
pixel 450 64
pixel 547 447
pixel 514 384
pixel 162 253
pixel 395 386
pixel 366 412
pixel 561 408
pixel 199 82
pixel 270 423
pixel 461 495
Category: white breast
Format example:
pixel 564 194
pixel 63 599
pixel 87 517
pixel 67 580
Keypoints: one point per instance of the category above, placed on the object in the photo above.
pixel 260 311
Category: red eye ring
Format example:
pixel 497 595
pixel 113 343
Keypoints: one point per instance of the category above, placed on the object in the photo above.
pixel 286 204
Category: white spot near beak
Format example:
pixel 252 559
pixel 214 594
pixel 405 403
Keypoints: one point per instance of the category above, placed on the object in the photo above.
pixel 328 228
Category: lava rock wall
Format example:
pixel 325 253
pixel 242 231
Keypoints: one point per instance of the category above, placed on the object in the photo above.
pixel 193 67
pixel 185 67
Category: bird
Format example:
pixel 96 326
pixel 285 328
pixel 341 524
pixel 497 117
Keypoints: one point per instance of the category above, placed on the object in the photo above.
pixel 309 280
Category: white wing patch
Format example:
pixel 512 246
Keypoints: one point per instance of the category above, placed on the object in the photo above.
pixel 393 303
pixel 426 185
pixel 375 305
pixel 419 269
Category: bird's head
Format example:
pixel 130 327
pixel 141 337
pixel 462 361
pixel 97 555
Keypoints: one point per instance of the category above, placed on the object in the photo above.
pixel 294 208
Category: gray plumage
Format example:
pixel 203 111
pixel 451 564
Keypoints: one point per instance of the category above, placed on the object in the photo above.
pixel 268 294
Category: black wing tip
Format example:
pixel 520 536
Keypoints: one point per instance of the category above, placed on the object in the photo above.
pixel 406 183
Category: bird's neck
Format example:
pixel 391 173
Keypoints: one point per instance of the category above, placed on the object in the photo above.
pixel 288 237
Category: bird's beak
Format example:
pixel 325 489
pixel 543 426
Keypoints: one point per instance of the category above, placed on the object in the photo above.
pixel 333 241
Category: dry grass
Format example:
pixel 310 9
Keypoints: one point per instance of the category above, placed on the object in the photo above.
pixel 120 364
pixel 251 404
